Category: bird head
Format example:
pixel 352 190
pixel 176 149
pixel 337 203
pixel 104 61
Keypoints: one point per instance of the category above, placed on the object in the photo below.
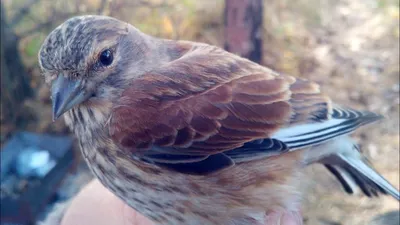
pixel 89 59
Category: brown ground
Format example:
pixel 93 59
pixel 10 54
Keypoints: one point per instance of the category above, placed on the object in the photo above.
pixel 350 47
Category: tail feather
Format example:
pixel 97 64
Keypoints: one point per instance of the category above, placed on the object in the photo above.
pixel 357 171
pixel 348 184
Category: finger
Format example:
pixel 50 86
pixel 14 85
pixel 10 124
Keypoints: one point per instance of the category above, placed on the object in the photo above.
pixel 94 204
pixel 284 218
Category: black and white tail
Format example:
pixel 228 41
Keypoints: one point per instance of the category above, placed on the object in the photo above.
pixel 329 144
pixel 354 171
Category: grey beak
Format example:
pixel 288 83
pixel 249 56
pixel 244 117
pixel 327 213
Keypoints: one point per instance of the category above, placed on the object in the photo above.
pixel 66 94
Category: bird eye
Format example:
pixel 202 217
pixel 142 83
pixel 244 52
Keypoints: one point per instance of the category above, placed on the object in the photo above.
pixel 106 57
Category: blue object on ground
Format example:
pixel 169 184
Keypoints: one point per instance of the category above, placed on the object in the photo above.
pixel 38 162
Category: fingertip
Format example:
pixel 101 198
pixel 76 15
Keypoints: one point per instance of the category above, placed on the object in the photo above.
pixel 291 218
pixel 284 218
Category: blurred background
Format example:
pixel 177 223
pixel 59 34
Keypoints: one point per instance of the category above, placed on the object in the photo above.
pixel 350 47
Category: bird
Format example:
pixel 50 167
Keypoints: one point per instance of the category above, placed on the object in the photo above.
pixel 188 133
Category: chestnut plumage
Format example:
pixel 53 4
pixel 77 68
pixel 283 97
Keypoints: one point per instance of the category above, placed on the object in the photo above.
pixel 171 126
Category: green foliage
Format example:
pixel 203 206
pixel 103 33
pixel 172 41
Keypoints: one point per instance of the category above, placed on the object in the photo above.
pixel 32 47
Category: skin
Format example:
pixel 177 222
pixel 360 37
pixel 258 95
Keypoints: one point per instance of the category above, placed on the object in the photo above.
pixel 94 204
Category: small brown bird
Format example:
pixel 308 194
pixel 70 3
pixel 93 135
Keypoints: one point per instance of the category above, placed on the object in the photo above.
pixel 187 133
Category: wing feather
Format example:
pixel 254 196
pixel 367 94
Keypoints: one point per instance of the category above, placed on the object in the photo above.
pixel 341 121
pixel 198 101
pixel 209 105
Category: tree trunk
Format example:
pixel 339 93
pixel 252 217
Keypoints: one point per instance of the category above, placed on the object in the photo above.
pixel 15 85
pixel 243 28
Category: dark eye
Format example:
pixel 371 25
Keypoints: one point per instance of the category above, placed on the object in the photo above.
pixel 106 57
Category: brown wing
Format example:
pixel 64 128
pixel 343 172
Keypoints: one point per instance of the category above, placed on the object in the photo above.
pixel 209 102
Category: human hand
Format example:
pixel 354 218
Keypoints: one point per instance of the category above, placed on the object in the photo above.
pixel 94 204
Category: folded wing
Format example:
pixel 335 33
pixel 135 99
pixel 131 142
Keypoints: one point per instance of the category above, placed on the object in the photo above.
pixel 208 104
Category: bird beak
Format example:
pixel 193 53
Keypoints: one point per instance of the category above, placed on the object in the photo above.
pixel 66 94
